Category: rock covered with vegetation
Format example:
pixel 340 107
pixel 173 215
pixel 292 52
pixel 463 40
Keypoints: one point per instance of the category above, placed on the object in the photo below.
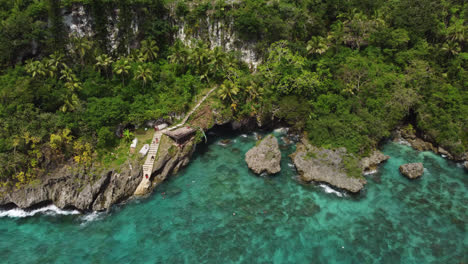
pixel 412 170
pixel 371 163
pixel 335 167
pixel 265 157
pixel 69 188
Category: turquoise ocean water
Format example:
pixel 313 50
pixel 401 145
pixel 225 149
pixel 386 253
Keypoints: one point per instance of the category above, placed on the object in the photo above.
pixel 216 211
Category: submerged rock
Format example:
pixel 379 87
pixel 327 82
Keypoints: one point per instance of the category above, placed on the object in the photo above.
pixel 225 142
pixel 265 157
pixel 369 164
pixel 324 165
pixel 412 170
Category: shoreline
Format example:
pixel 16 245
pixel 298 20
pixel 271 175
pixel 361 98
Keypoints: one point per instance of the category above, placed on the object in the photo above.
pixel 10 209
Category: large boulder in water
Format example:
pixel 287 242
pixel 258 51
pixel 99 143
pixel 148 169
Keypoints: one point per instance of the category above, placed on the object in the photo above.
pixel 266 156
pixel 412 170
pixel 326 165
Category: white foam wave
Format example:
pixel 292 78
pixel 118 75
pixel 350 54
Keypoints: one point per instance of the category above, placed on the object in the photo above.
pixel 403 142
pixel 94 216
pixel 48 210
pixel 290 165
pixel 328 189
pixel 244 135
pixel 255 135
pixel 281 130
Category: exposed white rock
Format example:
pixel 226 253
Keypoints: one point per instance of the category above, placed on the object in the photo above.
pixel 265 157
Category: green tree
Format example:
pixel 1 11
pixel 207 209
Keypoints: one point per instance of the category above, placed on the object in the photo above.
pixel 317 45
pixel 143 73
pixel 128 136
pixel 55 63
pixel 228 90
pixel 81 47
pixel 148 50
pixel 35 68
pixel 103 62
pixel 122 67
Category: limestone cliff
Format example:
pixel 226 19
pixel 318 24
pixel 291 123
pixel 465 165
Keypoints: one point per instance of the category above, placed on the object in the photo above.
pixel 84 191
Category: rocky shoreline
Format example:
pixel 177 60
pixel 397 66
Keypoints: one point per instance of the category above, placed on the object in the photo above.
pixel 409 137
pixel 84 192
pixel 67 189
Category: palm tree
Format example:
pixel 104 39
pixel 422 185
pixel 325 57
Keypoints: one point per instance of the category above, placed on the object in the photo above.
pixel 121 67
pixel 253 90
pixel 227 90
pixel 451 47
pixel 81 46
pixel 103 62
pixel 143 73
pixel 317 45
pixel 457 31
pixel 179 53
pixel 149 50
pixel 218 61
pixel 199 57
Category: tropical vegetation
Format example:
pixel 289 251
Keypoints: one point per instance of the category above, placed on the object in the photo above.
pixel 345 72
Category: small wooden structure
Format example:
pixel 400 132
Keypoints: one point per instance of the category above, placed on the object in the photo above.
pixel 180 135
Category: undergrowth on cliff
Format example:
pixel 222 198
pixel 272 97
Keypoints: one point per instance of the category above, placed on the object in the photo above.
pixel 347 72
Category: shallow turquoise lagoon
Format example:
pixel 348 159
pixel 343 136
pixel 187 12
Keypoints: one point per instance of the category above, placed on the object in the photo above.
pixel 216 211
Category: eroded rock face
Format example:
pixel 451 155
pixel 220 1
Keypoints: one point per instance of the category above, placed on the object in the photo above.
pixel 424 144
pixel 324 165
pixel 265 157
pixel 66 189
pixel 412 170
pixel 371 163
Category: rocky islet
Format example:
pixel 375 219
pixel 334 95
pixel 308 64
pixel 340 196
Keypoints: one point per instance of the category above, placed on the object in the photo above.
pixel 412 170
pixel 265 157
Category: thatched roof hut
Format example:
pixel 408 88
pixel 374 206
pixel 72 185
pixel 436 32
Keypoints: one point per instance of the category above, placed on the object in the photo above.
pixel 180 134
